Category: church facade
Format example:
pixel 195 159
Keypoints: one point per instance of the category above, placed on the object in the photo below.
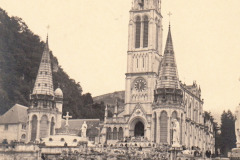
pixel 154 96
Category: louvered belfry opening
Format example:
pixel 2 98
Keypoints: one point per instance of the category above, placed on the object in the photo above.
pixel 138 32
pixel 145 32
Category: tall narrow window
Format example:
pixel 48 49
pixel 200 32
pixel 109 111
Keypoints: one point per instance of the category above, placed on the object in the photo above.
pixel 163 127
pixel 157 30
pixel 109 132
pixel 143 62
pixel 137 62
pixel 120 133
pixel 138 32
pixel 145 32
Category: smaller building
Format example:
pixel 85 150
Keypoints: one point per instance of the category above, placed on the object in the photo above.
pixel 75 125
pixel 13 124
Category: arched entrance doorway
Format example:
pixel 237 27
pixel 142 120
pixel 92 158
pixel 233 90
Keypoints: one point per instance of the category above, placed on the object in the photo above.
pixel 139 129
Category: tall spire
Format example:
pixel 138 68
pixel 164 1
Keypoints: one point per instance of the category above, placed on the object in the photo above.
pixel 44 83
pixel 168 75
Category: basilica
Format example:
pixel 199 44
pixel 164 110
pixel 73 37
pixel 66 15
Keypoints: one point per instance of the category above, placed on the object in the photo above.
pixel 154 95
pixel 159 109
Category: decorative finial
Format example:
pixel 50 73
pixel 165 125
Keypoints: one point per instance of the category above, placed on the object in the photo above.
pixel 169 14
pixel 47 33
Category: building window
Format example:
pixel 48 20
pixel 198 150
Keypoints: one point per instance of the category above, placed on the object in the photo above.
pixel 120 133
pixel 45 84
pixel 45 104
pixel 24 126
pixel 138 32
pixel 163 127
pixel 109 132
pixel 143 62
pixel 39 84
pixel 145 32
pixel 23 136
pixel 157 28
pixel 46 73
pixel 6 127
pixel 115 133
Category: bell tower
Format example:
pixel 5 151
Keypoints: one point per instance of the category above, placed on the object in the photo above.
pixel 144 54
pixel 42 114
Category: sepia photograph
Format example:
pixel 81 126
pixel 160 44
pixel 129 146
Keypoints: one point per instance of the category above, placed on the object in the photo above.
pixel 119 80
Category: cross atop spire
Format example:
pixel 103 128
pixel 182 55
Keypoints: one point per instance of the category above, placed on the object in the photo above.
pixel 169 15
pixel 47 34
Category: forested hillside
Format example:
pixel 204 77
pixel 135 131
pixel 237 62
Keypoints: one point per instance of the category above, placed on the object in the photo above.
pixel 20 54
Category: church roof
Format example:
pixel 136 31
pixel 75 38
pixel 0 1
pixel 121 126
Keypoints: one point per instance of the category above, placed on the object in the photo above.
pixel 44 83
pixel 17 114
pixel 168 75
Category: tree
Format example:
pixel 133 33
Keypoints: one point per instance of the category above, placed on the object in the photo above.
pixel 20 55
pixel 228 138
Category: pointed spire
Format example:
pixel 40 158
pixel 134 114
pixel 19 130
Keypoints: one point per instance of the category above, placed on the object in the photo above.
pixel 44 83
pixel 168 75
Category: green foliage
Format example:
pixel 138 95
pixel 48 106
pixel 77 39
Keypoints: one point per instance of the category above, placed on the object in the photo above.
pixel 20 55
pixel 227 137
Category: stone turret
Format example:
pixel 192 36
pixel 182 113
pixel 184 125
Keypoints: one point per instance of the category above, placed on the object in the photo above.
pixel 42 114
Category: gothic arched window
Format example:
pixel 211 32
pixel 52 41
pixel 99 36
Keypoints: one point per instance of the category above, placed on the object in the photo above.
pixel 138 32
pixel 109 132
pixel 155 126
pixel 145 32
pixel 115 133
pixel 163 127
pixel 120 133
pixel 52 126
pixel 44 129
pixel 34 127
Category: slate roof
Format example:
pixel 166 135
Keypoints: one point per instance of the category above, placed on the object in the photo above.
pixel 168 75
pixel 17 114
pixel 44 81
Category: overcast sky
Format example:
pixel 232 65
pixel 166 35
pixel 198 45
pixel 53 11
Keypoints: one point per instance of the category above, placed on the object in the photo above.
pixel 89 38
